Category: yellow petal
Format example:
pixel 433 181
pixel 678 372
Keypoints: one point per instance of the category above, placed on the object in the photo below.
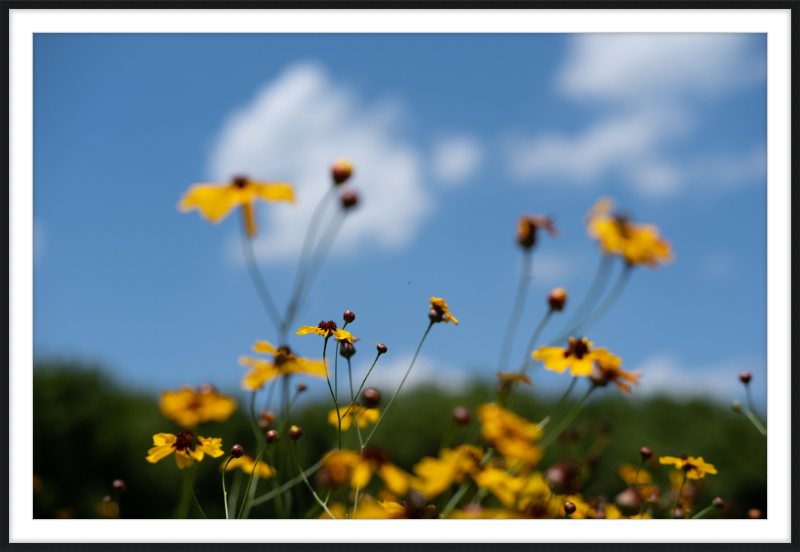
pixel 342 335
pixel 581 367
pixel 273 191
pixel 310 329
pixel 396 479
pixel 214 202
pixel 182 459
pixel 157 453
pixel 211 446
pixel 362 474
pixel 265 347
pixel 553 358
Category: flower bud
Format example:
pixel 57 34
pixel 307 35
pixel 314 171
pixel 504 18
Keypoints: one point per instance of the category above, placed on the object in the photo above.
pixel 461 415
pixel 206 388
pixel 119 485
pixel 557 299
pixel 301 387
pixel 754 514
pixel 646 453
pixel 569 508
pixel 346 349
pixel 341 171
pixel 371 397
pixel 736 406
pixel 719 503
pixel 349 199
pixel 295 433
pixel 679 513
pixel 106 498
pixel 745 377
pixel 436 314
pixel 598 377
pixel 273 437
pixel 349 316
pixel 265 419
pixel 382 349
pixel 237 451
pixel 564 477
pixel 628 501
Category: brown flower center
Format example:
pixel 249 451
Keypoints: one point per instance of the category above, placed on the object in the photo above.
pixel 329 326
pixel 283 354
pixel 240 182
pixel 184 440
pixel 577 348
pixel 375 453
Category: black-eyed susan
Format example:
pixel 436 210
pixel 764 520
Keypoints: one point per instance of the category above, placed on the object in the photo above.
pixel 579 357
pixel 247 462
pixel 636 243
pixel 345 466
pixel 363 414
pixel 326 330
pixel 283 364
pixel 436 475
pixel 527 229
pixel 509 434
pixel 215 201
pixel 695 468
pixel 189 407
pixel 187 449
pixel 441 311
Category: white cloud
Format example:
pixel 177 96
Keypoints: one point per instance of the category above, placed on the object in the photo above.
pixel 455 159
pixel 293 130
pixel 38 241
pixel 426 372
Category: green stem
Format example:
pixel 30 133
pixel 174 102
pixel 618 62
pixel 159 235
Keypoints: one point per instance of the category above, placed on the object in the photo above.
pixel 565 423
pixel 456 498
pixel 636 479
pixel 191 487
pixel 599 283
pixel 249 482
pixel 250 496
pixel 333 395
pixel 388 406
pixel 558 405
pixel 680 492
pixel 286 486
pixel 237 486
pixel 362 384
pixel 704 511
pixel 755 420
pixel 534 338
pixel 352 402
pixel 258 279
pixel 254 419
pixel 516 312
pixel 224 491
pixel 310 488
pixel 355 503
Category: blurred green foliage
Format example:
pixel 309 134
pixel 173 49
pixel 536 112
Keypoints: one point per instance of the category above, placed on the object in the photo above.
pixel 88 432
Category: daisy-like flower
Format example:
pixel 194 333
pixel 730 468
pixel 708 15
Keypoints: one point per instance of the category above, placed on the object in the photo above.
pixel 608 369
pixel 440 312
pixel 215 201
pixel 509 434
pixel 695 468
pixel 636 243
pixel 578 357
pixel 189 407
pixel 326 329
pixel 283 364
pixel 187 449
pixel 346 465
pixel 436 475
pixel 527 228
pixel 627 472
pixel 246 464
pixel 362 414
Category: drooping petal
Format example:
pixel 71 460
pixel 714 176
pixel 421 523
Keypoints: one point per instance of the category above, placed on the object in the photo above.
pixel 553 358
pixel 158 453
pixel 310 330
pixel 265 347
pixel 213 201
pixel 343 335
pixel 362 474
pixel 211 446
pixel 273 191
pixel 182 459
pixel 581 367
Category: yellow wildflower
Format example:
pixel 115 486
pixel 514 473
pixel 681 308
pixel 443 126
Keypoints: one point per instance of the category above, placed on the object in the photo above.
pixel 346 465
pixel 246 464
pixel 509 434
pixel 185 454
pixel 441 308
pixel 695 468
pixel 436 475
pixel 627 472
pixel 364 415
pixel 608 369
pixel 527 227
pixel 636 243
pixel 578 357
pixel 283 364
pixel 326 329
pixel 215 201
pixel 190 408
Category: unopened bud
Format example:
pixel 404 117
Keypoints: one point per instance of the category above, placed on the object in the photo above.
pixel 349 199
pixel 382 349
pixel 557 299
pixel 569 508
pixel 265 419
pixel 206 388
pixel 598 377
pixel 295 433
pixel 745 377
pixel 349 316
pixel 679 513
pixel 754 514
pixel 119 485
pixel 736 406
pixel 273 437
pixel 341 171
pixel 719 503
pixel 628 501
pixel 461 415
pixel 301 387
pixel 436 314
pixel 346 349
pixel 237 451
pixel 106 498
pixel 646 453
pixel 371 397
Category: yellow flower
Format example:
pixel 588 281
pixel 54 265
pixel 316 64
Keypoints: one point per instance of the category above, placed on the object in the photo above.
pixel 509 434
pixel 577 357
pixel 695 468
pixel 185 454
pixel 627 472
pixel 326 329
pixel 364 415
pixel 246 463
pixel 435 475
pixel 636 243
pixel 283 364
pixel 440 306
pixel 346 465
pixel 369 508
pixel 608 369
pixel 215 201
pixel 507 380
pixel 527 227
pixel 189 408
pixel 529 495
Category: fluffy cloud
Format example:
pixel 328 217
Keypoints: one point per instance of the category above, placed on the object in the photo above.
pixel 647 87
pixel 455 159
pixel 293 130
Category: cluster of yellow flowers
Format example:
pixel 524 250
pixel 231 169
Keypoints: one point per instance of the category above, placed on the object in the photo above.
pixel 494 473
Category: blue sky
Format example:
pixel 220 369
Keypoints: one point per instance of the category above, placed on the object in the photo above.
pixel 452 138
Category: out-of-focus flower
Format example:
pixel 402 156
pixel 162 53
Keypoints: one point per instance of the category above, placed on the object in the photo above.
pixel 436 475
pixel 326 329
pixel 108 508
pixel 190 408
pixel 215 201
pixel 345 465
pixel 695 468
pixel 442 310
pixel 578 357
pixel 557 298
pixel 341 171
pixel 627 472
pixel 246 464
pixel 362 414
pixel 185 447
pixel 507 379
pixel 608 369
pixel 283 364
pixel 509 434
pixel 636 243
pixel 527 228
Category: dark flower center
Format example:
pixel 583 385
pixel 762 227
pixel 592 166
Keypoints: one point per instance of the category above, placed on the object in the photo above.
pixel 240 182
pixel 577 348
pixel 184 440
pixel 375 453
pixel 623 225
pixel 282 355
pixel 329 326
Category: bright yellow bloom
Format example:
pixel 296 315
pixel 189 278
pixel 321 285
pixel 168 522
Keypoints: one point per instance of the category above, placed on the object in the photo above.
pixel 608 369
pixel 358 469
pixel 364 415
pixel 578 357
pixel 695 468
pixel 283 364
pixel 247 462
pixel 509 434
pixel 185 454
pixel 326 329
pixel 189 408
pixel 215 201
pixel 627 472
pixel 369 508
pixel 529 495
pixel 440 306
pixel 436 475
pixel 636 243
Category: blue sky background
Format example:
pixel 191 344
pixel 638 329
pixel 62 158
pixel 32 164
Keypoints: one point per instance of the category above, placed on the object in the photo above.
pixel 452 138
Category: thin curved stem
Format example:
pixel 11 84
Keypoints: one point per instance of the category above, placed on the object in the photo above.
pixel 249 482
pixel 680 492
pixel 197 502
pixel 598 285
pixel 259 282
pixel 333 395
pixel 352 402
pixel 516 311
pixel 534 338
pixel 362 384
pixel 565 423
pixel 704 511
pixel 310 488
pixel 286 486
pixel 224 491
